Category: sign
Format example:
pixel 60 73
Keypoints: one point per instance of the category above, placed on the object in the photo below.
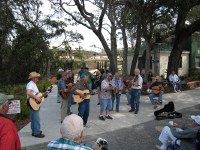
pixel 14 107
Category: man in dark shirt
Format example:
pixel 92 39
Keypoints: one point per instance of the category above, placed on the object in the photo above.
pixel 156 88
pixel 84 106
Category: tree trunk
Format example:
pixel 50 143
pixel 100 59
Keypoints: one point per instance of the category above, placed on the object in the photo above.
pixel 147 61
pixel 176 52
pixel 137 48
pixel 112 58
pixel 113 47
pixel 125 53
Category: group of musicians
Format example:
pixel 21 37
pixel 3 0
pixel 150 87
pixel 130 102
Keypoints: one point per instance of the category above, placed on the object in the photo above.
pixel 111 88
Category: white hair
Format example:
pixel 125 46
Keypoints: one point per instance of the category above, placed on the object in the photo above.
pixel 71 127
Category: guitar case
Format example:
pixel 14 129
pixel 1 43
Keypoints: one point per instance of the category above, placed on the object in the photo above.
pixel 168 112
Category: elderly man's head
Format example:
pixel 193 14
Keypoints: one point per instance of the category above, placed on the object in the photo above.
pixel 84 78
pixel 72 128
pixel 137 71
pixel 109 76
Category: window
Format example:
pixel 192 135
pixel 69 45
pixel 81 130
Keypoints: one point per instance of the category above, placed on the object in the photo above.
pixel 197 62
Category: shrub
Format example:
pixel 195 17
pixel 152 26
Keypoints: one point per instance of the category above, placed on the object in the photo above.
pixel 194 74
pixel 19 92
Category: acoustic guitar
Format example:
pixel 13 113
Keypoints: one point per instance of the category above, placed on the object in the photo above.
pixel 34 104
pixel 65 95
pixel 77 97
pixel 116 90
pixel 157 89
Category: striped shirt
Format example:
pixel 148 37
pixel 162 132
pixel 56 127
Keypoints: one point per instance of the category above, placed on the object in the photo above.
pixel 65 144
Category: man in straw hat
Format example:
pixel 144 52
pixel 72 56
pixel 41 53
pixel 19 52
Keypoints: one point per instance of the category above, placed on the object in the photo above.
pixel 9 139
pixel 175 132
pixel 31 91
pixel 72 133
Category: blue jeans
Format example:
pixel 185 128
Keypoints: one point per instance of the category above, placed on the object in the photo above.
pixel 135 99
pixel 35 121
pixel 175 84
pixel 117 96
pixel 70 101
pixel 152 95
pixel 128 95
pixel 83 110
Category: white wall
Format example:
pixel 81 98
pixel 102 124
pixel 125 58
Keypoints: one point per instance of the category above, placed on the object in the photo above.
pixel 164 55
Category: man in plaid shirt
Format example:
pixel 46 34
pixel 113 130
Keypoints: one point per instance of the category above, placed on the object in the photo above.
pixel 72 134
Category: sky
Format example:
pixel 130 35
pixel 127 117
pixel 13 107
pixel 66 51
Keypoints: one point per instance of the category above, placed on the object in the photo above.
pixel 89 37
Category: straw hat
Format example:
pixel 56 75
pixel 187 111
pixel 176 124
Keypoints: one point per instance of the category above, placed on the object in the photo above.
pixel 33 75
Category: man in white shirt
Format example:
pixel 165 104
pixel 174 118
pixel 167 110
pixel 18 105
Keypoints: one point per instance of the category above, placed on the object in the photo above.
pixel 31 91
pixel 174 79
pixel 136 91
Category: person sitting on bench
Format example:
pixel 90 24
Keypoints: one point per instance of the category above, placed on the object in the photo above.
pixel 156 89
pixel 175 81
pixel 185 138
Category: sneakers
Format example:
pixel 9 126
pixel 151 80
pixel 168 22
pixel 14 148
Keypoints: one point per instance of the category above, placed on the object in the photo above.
pixel 101 118
pixel 136 112
pixel 108 117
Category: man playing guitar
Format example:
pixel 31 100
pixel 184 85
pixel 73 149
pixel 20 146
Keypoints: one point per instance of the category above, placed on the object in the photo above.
pixel 84 106
pixel 31 91
pixel 157 88
pixel 64 86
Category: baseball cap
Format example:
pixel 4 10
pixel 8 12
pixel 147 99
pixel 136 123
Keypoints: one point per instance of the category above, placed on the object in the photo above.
pixel 196 119
pixel 4 98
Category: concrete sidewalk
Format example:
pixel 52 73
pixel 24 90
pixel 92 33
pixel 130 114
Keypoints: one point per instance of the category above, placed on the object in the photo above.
pixel 50 116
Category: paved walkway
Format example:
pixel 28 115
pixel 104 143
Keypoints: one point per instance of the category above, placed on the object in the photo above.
pixel 50 116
